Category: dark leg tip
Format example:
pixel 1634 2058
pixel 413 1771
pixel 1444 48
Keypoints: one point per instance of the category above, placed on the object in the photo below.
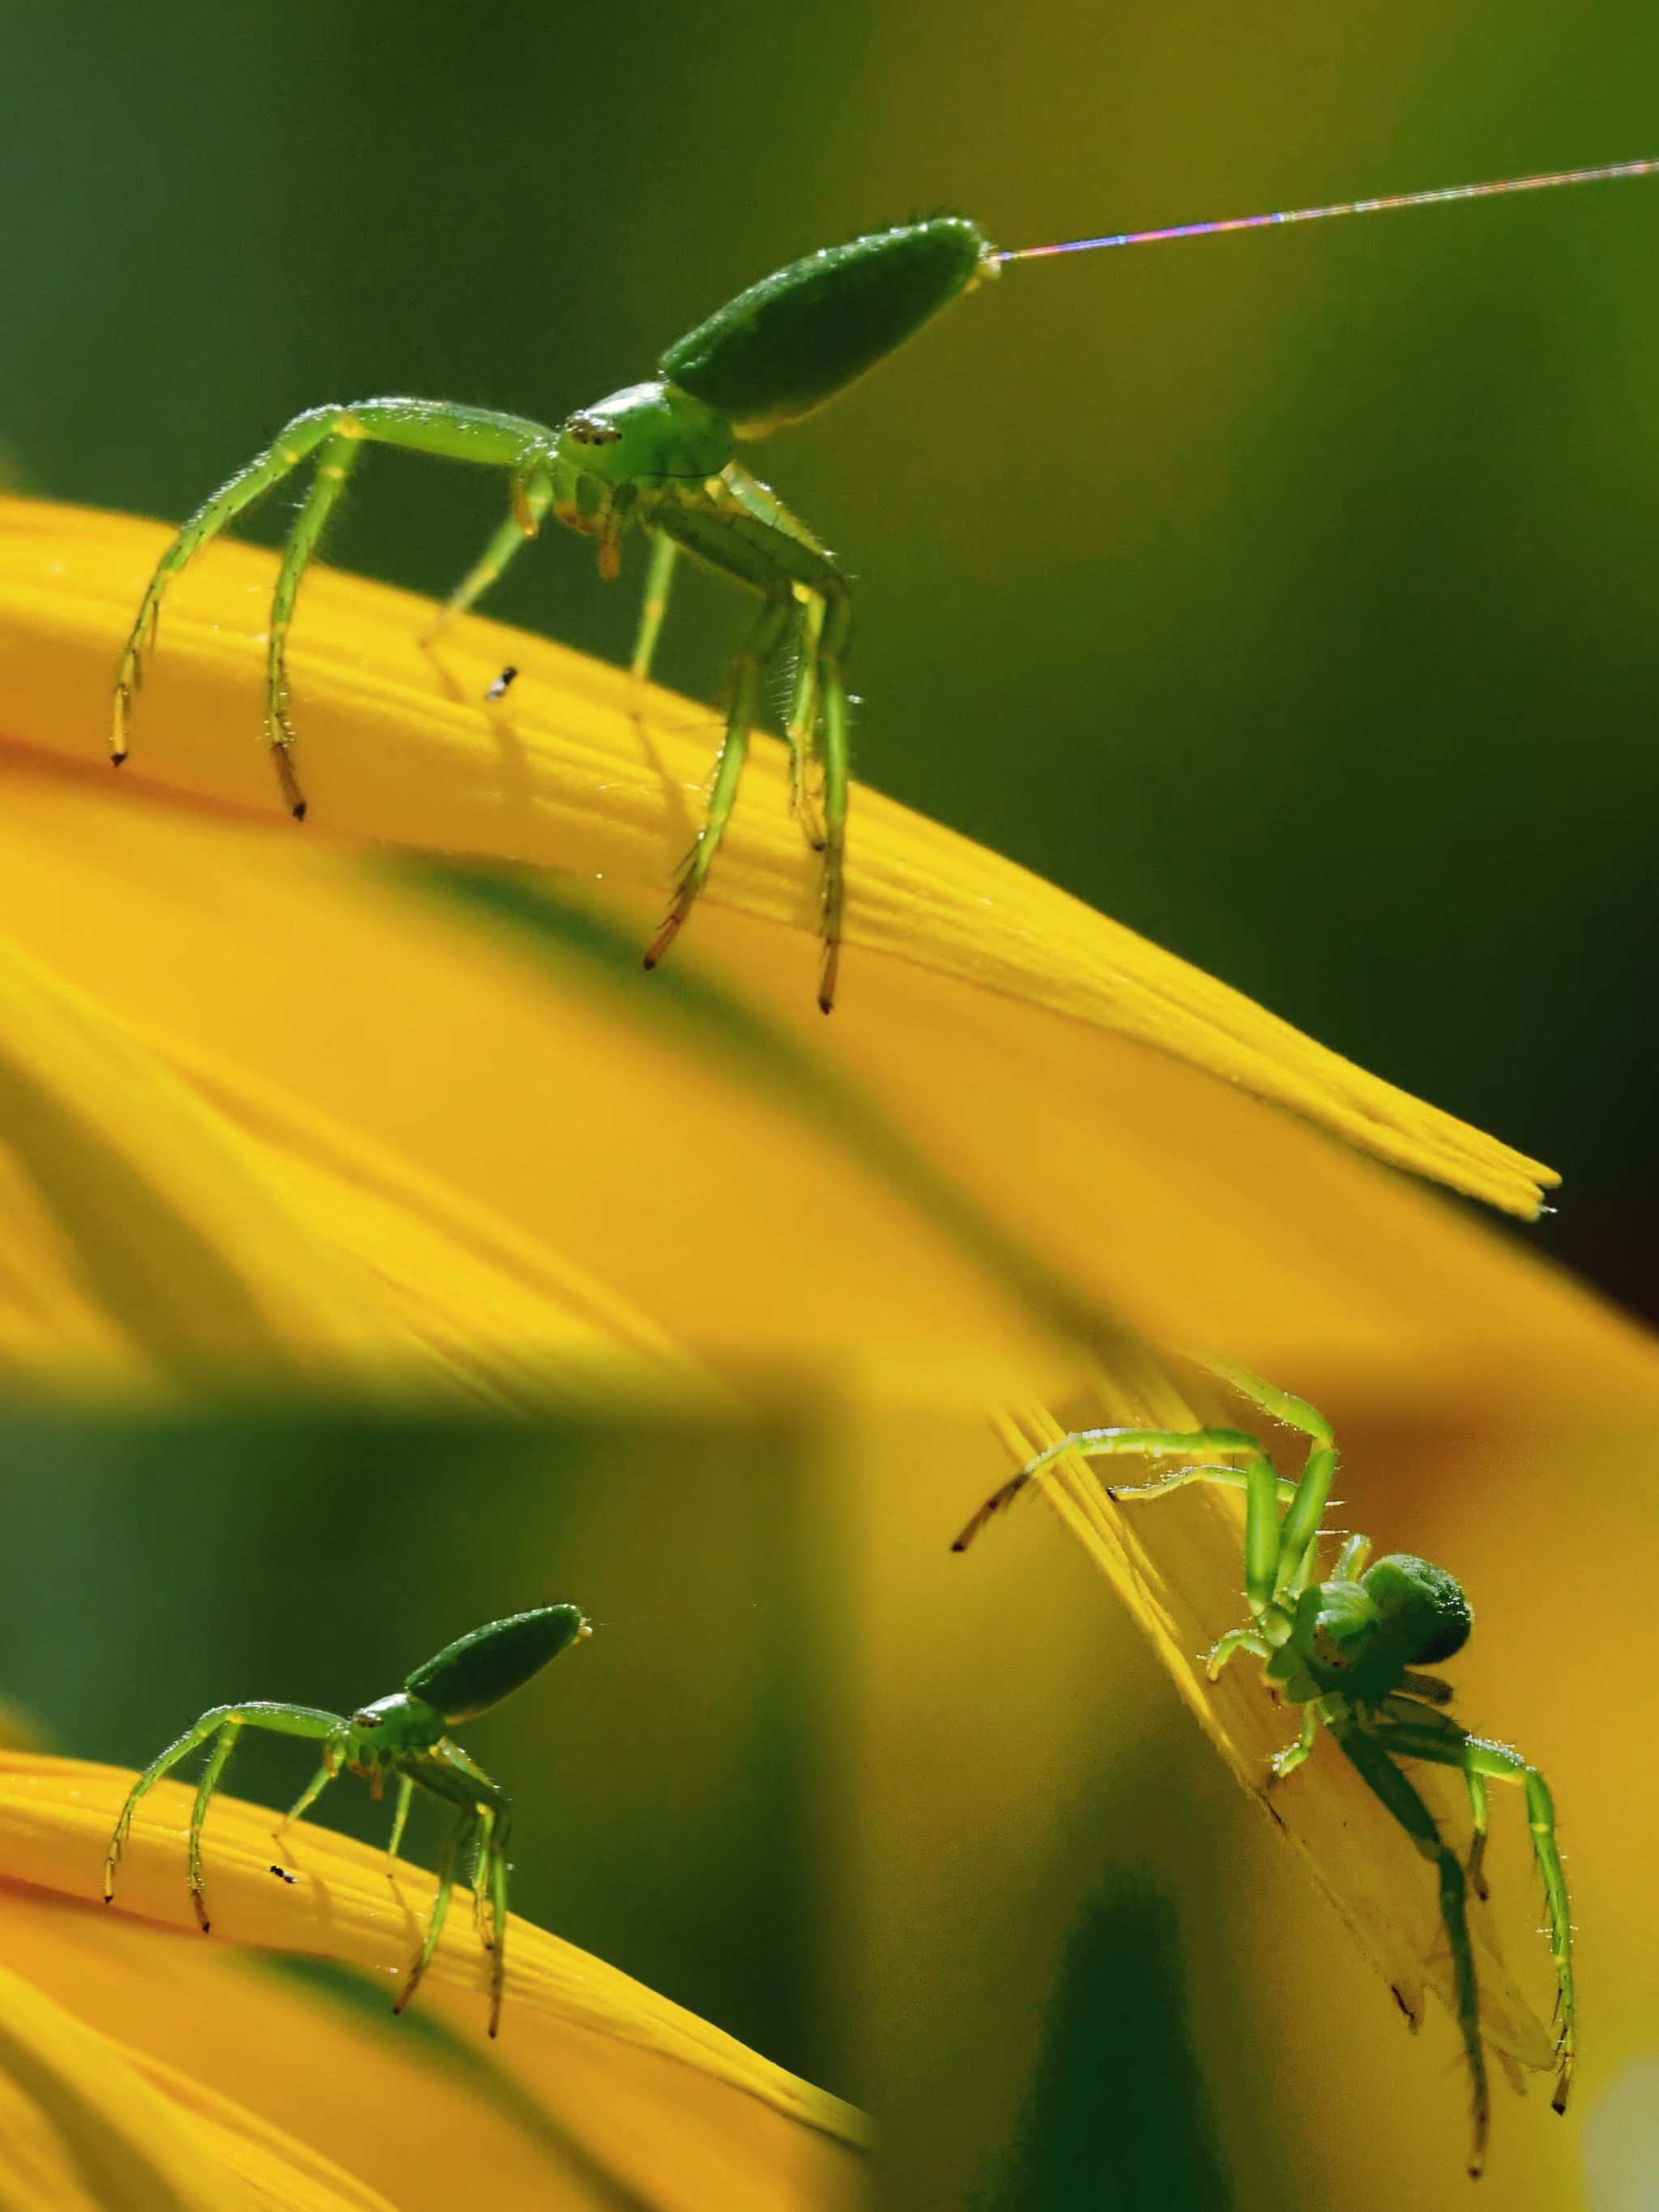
pixel 298 809
pixel 649 962
pixel 116 759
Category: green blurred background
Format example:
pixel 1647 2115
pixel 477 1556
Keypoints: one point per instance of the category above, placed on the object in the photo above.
pixel 1291 598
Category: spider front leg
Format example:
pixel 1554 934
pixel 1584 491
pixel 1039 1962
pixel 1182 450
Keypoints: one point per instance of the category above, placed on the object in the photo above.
pixel 1100 1443
pixel 1300 1526
pixel 464 434
pixel 222 1727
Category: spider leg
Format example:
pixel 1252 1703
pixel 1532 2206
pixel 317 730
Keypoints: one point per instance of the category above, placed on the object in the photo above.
pixel 334 465
pixel 454 1843
pixel 221 1726
pixel 479 1874
pixel 764 641
pixel 1236 1639
pixel 1258 1478
pixel 738 527
pixel 837 769
pixel 658 582
pixel 464 434
pixel 486 1819
pixel 1385 1780
pixel 1286 1761
pixel 327 1773
pixel 1313 1489
pixel 399 1818
pixel 498 1915
pixel 1151 1444
pixel 1478 1813
pixel 1441 1739
pixel 532 499
pixel 801 729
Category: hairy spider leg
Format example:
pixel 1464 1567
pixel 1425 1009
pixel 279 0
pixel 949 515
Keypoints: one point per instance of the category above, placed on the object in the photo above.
pixel 425 426
pixel 1437 1737
pixel 222 1724
pixel 734 526
pixel 1300 1526
pixel 1094 1444
pixel 1385 1780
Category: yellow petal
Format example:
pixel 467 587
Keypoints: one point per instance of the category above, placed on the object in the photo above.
pixel 78 2129
pixel 275 2168
pixel 575 775
pixel 685 2112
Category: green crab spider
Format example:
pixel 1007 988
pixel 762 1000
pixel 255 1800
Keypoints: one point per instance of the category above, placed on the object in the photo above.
pixel 406 1735
pixel 661 455
pixel 1347 1651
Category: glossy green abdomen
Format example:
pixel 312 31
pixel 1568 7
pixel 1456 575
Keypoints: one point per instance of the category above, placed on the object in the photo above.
pixel 478 1670
pixel 794 340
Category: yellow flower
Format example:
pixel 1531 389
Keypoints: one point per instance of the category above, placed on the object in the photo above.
pixel 283 1102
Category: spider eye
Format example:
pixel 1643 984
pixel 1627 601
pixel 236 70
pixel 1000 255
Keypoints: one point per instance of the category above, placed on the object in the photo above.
pixel 367 1719
pixel 592 430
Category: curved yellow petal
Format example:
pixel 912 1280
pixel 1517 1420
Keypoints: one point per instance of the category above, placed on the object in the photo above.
pixel 581 2026
pixel 79 2130
pixel 579 774
pixel 210 2016
pixel 275 2168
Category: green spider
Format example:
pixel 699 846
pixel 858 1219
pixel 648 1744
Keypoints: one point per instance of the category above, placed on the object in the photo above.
pixel 661 455
pixel 406 1735
pixel 1347 1651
